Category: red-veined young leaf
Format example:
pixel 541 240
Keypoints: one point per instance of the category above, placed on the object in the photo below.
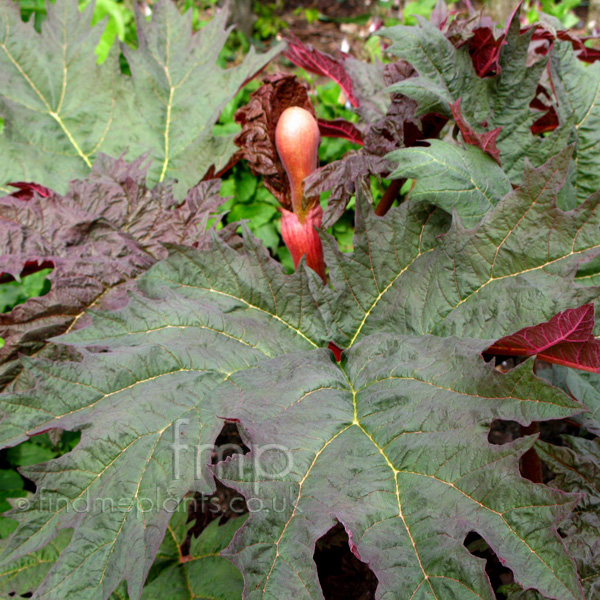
pixel 320 63
pixel 341 128
pixel 566 339
pixel 337 352
pixel 440 14
pixel 545 31
pixel 486 141
pixel 547 122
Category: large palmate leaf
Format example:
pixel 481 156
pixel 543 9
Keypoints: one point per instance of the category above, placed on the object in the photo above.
pixel 484 282
pixel 142 392
pixel 58 105
pixel 393 444
pixel 104 232
pixel 60 108
pixel 180 92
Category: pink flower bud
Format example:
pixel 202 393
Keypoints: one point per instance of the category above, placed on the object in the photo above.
pixel 297 140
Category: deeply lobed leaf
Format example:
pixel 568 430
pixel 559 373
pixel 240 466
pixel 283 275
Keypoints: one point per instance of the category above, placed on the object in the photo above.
pixel 205 315
pixel 61 109
pixel 391 438
pixel 446 74
pixel 394 446
pixel 391 442
pixel 484 282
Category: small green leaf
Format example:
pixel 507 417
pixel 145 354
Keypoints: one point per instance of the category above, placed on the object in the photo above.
pixel 202 574
pixel 464 179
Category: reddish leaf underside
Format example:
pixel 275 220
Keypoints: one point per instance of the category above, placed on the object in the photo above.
pixel 589 55
pixel 26 190
pixel 548 121
pixel 541 33
pixel 566 339
pixel 484 49
pixel 340 128
pixel 337 351
pixel 320 63
pixel 486 140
